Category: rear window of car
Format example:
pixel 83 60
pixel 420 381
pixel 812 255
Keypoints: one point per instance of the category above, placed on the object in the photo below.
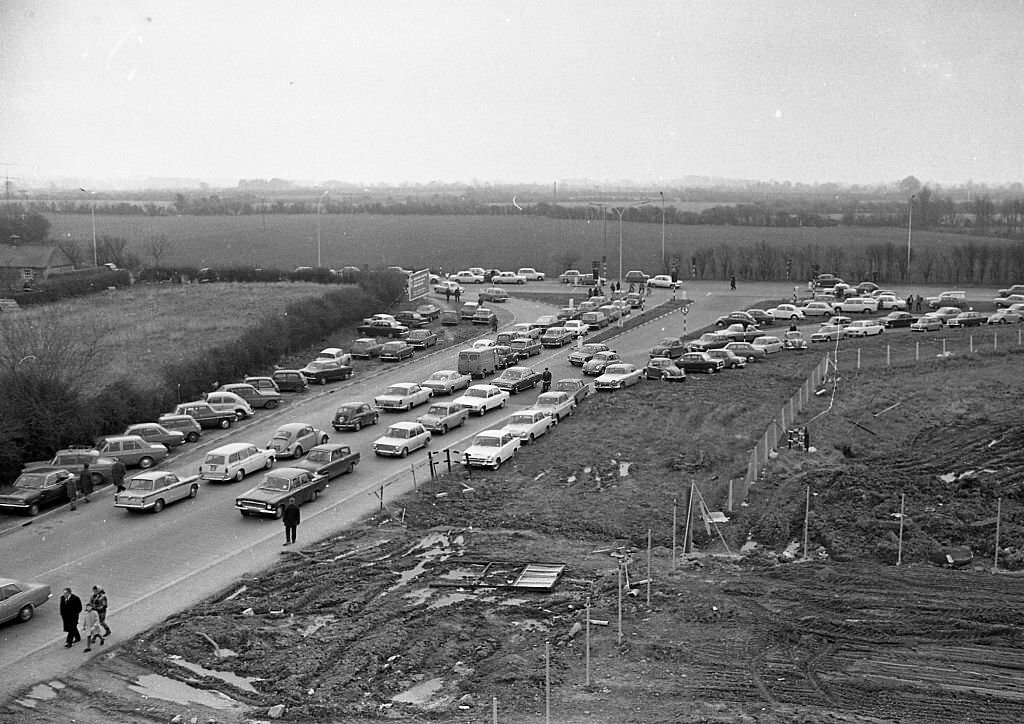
pixel 212 459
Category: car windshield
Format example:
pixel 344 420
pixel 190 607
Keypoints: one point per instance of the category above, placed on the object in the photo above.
pixel 272 482
pixel 31 481
pixel 348 409
pixel 513 374
pixel 282 435
pixel 141 485
pixel 617 370
pixel 438 410
pixel 319 456
pixel 487 441
pixel 476 393
pixel 550 398
pixel 567 385
pixel 319 365
pixel 399 432
pixel 522 419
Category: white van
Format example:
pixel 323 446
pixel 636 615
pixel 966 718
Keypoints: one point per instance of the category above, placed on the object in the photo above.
pixel 234 461
pixel 230 402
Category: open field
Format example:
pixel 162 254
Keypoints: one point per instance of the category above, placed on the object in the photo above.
pixel 455 242
pixel 387 621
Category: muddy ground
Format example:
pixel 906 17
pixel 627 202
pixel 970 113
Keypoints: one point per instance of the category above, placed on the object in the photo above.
pixel 412 617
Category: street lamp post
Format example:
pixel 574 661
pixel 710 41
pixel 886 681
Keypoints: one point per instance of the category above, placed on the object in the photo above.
pixel 318 202
pixel 620 210
pixel 663 267
pixel 95 255
pixel 910 228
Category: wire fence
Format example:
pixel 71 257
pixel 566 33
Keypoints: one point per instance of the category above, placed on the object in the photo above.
pixel 929 346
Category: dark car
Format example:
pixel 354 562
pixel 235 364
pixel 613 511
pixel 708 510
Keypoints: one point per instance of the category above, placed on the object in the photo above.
pixel 429 311
pixel 579 389
pixel 505 356
pixel 663 369
pixel 265 398
pixel 35 490
pixel 700 362
pixel 421 338
pixel 412 320
pixel 73 459
pixel 322 371
pixel 668 347
pixel 897 319
pixel 526 347
pixel 366 347
pixel 582 355
pixel 967 319
pixel 185 424
pixel 355 415
pixel 328 460
pixel 152 432
pixel 290 380
pixel 735 318
pixel 761 317
pixel 517 379
pixel 272 494
pixel 396 351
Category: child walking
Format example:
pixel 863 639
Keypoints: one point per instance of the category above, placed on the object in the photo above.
pixel 93 627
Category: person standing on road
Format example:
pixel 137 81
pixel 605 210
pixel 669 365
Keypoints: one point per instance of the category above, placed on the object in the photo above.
pixel 86 482
pixel 91 624
pixel 910 303
pixel 71 490
pixel 70 610
pixel 494 324
pixel 98 601
pixel 458 294
pixel 732 282
pixel 117 472
pixel 546 379
pixel 447 294
pixel 291 518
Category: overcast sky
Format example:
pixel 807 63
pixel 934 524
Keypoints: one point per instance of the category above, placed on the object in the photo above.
pixel 422 90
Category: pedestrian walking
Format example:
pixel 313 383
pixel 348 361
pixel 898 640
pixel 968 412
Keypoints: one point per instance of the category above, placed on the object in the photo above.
pixel 71 490
pixel 85 482
pixel 494 323
pixel 70 610
pixel 910 303
pixel 447 294
pixel 91 624
pixel 458 294
pixel 920 303
pixel 117 471
pixel 732 282
pixel 98 601
pixel 546 380
pixel 291 518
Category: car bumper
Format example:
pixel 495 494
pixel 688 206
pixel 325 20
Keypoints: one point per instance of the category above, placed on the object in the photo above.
pixel 255 507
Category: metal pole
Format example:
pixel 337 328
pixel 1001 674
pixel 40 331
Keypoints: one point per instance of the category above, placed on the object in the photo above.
pixel 621 212
pixel 807 512
pixel 95 255
pixel 663 265
pixel 899 553
pixel 318 202
pixel 910 227
pixel 675 515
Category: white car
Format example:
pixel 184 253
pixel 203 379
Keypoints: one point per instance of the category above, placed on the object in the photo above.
pixel 402 396
pixel 526 329
pixel 507 278
pixel 401 439
pixel 864 305
pixel 827 333
pixel 529 424
pixel 466 277
pixel 481 398
pixel 662 280
pixel 768 343
pixel 555 403
pixel 445 382
pixel 490 449
pixel 786 311
pixel 617 376
pixel 577 327
pixel 863 328
pixel 484 344
pixel 448 285
pixel 817 309
pixel 890 301
pixel 530 274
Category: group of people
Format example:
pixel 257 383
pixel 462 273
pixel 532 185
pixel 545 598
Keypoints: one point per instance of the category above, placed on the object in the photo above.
pixel 83 485
pixel 449 293
pixel 95 618
pixel 915 303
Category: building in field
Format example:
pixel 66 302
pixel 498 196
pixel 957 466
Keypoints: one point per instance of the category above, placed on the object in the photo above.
pixel 22 265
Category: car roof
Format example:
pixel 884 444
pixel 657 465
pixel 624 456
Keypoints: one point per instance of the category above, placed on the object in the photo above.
pixel 293 425
pixel 233 446
pixel 405 424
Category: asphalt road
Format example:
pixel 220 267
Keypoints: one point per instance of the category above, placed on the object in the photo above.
pixel 154 565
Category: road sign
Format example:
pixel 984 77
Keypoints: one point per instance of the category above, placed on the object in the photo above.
pixel 418 284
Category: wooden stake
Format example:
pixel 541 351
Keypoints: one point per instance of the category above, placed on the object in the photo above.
pixel 807 512
pixel 620 603
pixel 899 553
pixel 648 568
pixel 547 682
pixel 999 510
pixel 675 514
pixel 687 548
pixel 494 710
pixel 586 680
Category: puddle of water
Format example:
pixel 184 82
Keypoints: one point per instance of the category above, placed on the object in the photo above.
pixel 462 574
pixel 418 596
pixel 228 677
pixel 624 469
pixel 316 624
pixel 42 692
pixel 448 599
pixel 157 686
pixel 421 693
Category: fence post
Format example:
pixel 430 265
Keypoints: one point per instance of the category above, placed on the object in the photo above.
pixel 995 341
pixel 888 357
pixel 970 341
pixel 858 358
pixel 917 351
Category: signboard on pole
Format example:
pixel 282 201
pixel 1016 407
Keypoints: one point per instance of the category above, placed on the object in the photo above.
pixel 418 284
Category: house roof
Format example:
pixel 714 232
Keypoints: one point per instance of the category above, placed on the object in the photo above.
pixel 32 256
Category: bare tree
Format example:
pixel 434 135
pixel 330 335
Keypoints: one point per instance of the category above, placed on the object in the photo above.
pixel 73 249
pixel 157 246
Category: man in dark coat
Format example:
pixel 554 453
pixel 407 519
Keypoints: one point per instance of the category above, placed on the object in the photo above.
pixel 70 610
pixel 85 482
pixel 117 472
pixel 99 605
pixel 291 518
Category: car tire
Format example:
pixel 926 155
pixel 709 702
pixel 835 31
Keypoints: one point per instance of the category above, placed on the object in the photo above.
pixel 324 439
pixel 192 436
pixel 316 495
pixel 357 426
pixel 279 512
pixel 444 429
pixel 503 403
pixel 269 464
pixel 193 491
pixel 297 453
pixel 145 462
pixel 225 424
pixel 531 440
pixel 239 415
pixel 239 475
pixel 404 453
pixel 158 506
pixel 245 513
pixel 33 510
pixel 271 404
pixel 322 380
pixel 26 613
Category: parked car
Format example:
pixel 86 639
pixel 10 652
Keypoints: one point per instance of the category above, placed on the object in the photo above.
pixel 449 286
pixel 401 439
pixel 382 328
pixel 635 276
pixel 709 340
pixel 449 317
pixel 701 362
pixel 597 362
pixel 526 329
pixel 526 347
pixel 794 340
pixel 827 333
pixel 737 317
pixel 618 376
pixel 446 382
pixel 185 424
pixel 556 337
pixel 517 379
pixel 555 403
pixel 578 388
pixel 1003 302
pixel 443 416
pixel 36 489
pixel 545 321
pixel 927 323
pixel 230 402
pixel 817 309
pixel 529 424
pixel 154 489
pixel 430 312
pixel 328 461
pixel 507 277
pixel 577 327
pixel 731 360
pixel 1015 289
pixel 663 281
pixel 262 383
pixel 663 369
pixel 863 328
pixel 741 333
pixel 322 371
pixel 484 316
pixel 257 398
pixel 155 433
pixel 565 313
pixel 412 320
pixel 954 298
pixel 464 277
pixel 339 355
pixel 1005 316
pixel 234 461
pixel 761 317
pixel 355 415
pixel 840 320
pixel 19 600
pixel 786 311
pixel 479 399
pixel 748 350
pixel 530 274
pixel 967 319
pixel 895 319
pixel 396 351
pixel 490 449
pixel 492 294
pixel 294 438
pixel 132 450
pixel 945 313
pixel 205 414
pixel 290 380
pixel 769 343
pixel 668 347
pixel 277 488
pixel 366 348
pixel 890 301
pixel 570 276
pixel 856 305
